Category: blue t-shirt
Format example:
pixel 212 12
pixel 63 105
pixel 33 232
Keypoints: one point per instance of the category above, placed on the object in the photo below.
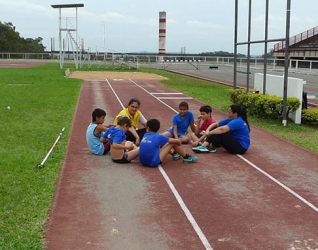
pixel 182 123
pixel 114 134
pixel 93 142
pixel 149 150
pixel 239 130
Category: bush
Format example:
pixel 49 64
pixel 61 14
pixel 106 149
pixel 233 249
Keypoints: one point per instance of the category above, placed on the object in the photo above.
pixel 310 116
pixel 260 105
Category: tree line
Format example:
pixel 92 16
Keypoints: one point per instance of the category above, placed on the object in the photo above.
pixel 11 41
pixel 228 54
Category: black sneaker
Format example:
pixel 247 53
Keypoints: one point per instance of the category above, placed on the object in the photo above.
pixel 212 150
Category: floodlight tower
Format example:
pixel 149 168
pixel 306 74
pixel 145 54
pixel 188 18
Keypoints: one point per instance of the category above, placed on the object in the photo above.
pixel 162 35
pixel 69 37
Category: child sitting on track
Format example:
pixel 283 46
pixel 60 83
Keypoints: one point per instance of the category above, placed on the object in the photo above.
pixel 121 151
pixel 95 131
pixel 180 125
pixel 232 133
pixel 206 118
pixel 151 155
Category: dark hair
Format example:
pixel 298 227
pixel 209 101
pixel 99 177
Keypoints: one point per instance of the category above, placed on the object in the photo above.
pixel 241 111
pixel 124 120
pixel 153 125
pixel 98 113
pixel 206 108
pixel 184 104
pixel 132 100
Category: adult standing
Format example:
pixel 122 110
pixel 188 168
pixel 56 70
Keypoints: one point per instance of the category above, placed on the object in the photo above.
pixel 232 133
pixel 132 111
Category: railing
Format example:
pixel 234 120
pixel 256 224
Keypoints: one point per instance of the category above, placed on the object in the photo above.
pixel 134 60
pixel 280 46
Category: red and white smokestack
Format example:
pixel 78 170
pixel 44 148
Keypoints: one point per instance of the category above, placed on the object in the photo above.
pixel 162 35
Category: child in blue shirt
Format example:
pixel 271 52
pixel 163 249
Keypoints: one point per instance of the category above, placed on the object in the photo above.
pixel 232 133
pixel 155 147
pixel 121 151
pixel 95 131
pixel 181 123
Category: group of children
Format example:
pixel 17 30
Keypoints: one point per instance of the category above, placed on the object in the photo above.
pixel 126 142
pixel 152 147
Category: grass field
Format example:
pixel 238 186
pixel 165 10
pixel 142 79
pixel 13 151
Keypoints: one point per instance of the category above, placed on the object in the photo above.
pixel 42 102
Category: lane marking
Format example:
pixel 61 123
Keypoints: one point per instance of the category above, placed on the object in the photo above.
pixel 160 93
pixel 187 212
pixel 175 98
pixel 269 176
pixel 122 105
pixel 280 184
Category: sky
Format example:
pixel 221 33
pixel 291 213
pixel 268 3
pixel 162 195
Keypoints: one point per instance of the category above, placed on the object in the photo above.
pixel 193 26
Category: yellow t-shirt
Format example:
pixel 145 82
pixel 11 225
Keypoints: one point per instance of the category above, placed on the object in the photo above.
pixel 134 119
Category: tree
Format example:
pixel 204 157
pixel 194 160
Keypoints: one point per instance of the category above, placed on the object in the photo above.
pixel 10 40
pixel 269 54
pixel 221 53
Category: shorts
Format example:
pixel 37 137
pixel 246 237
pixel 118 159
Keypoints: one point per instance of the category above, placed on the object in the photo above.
pixel 106 148
pixel 122 160
pixel 170 130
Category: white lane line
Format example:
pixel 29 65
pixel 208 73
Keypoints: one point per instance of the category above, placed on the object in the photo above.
pixel 174 93
pixel 115 93
pixel 186 210
pixel 280 184
pixel 175 98
pixel 188 214
pixel 154 96
pixel 268 176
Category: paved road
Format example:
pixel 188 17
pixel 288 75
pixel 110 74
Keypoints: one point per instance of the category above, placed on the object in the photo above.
pixel 225 75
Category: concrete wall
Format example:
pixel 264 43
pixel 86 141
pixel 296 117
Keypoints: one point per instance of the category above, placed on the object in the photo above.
pixel 275 86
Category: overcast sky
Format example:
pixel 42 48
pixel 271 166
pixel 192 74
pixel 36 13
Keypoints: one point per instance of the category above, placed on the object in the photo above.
pixel 132 25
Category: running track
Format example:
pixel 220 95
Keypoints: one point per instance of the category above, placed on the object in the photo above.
pixel 265 199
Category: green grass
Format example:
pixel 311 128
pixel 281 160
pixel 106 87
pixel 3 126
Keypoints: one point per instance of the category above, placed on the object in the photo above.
pixel 42 102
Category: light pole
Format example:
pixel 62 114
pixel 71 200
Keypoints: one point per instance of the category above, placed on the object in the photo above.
pixel 104 37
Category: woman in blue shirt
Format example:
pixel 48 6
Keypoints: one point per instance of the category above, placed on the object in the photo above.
pixel 232 133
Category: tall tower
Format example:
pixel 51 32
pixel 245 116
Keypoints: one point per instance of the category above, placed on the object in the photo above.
pixel 70 39
pixel 162 35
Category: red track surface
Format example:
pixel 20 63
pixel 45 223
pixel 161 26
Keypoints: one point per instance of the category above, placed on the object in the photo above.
pixel 266 199
pixel 19 64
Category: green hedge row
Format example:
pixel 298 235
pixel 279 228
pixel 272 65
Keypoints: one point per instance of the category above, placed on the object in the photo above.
pixel 310 116
pixel 270 106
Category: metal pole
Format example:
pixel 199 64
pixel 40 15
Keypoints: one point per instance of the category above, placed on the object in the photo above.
pixel 60 37
pixel 77 42
pixel 249 46
pixel 265 47
pixel 235 44
pixel 286 63
pixel 41 165
pixel 104 36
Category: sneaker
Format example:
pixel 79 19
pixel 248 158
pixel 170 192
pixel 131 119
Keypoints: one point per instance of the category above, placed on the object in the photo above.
pixel 190 159
pixel 200 149
pixel 212 150
pixel 175 156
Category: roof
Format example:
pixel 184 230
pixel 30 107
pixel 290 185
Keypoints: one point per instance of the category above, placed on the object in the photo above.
pixel 308 36
pixel 67 5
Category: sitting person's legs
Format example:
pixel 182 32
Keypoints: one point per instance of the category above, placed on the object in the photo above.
pixel 124 159
pixel 228 142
